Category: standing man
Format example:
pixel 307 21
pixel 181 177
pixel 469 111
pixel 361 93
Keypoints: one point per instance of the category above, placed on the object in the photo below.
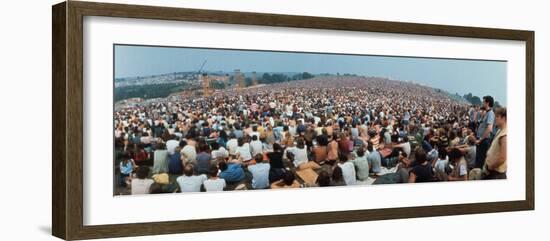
pixel 484 131
pixel 495 164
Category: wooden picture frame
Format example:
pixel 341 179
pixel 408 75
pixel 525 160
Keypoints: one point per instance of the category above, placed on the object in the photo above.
pixel 67 136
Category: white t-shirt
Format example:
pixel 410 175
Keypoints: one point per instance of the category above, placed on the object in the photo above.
pixel 145 139
pixel 192 183
pixel 292 130
pixel 221 152
pixel 232 146
pixel 244 151
pixel 214 185
pixel 256 147
pixel 300 155
pixel 190 152
pixel 171 146
pixel 406 148
pixel 348 171
pixel 141 186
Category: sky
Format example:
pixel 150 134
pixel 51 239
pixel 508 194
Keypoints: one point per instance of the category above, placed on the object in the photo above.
pixel 479 77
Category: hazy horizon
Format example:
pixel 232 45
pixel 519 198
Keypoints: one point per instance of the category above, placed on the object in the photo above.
pixel 479 77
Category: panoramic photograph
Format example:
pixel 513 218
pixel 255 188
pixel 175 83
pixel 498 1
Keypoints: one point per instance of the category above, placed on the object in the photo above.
pixel 191 120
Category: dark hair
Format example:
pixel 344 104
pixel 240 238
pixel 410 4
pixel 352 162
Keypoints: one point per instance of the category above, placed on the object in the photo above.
pixel 126 156
pixel 191 134
pixel 240 141
pixel 254 137
pixel 337 174
pixel 277 147
pixel 142 172
pixel 489 99
pixel 222 166
pixel 342 157
pixel 223 135
pixel 322 140
pixel 442 153
pixel 213 170
pixel 471 140
pixel 259 158
pixel 183 144
pixel 334 136
pixel 215 146
pixel 323 180
pixel 394 138
pixel 455 154
pixel 300 143
pixel 156 188
pixel 370 146
pixel 161 146
pixel 203 147
pixel 288 178
pixel 420 156
pixel 360 152
pixel 188 170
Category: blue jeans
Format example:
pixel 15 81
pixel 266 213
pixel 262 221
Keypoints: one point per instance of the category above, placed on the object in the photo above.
pixel 122 179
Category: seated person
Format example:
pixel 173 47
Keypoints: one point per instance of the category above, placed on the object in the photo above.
pixel 214 183
pixel 337 177
pixel 348 169
pixel 277 167
pixel 288 181
pixel 231 172
pixel 175 165
pixel 218 151
pixel 141 184
pixel 423 171
pixel 323 180
pixel 300 154
pixel 361 164
pixel 203 159
pixel 260 173
pixel 158 188
pixel 126 167
pixel 189 182
pixel 374 159
pixel 460 170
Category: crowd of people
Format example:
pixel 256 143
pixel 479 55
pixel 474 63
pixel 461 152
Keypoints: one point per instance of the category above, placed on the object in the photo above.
pixel 349 130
